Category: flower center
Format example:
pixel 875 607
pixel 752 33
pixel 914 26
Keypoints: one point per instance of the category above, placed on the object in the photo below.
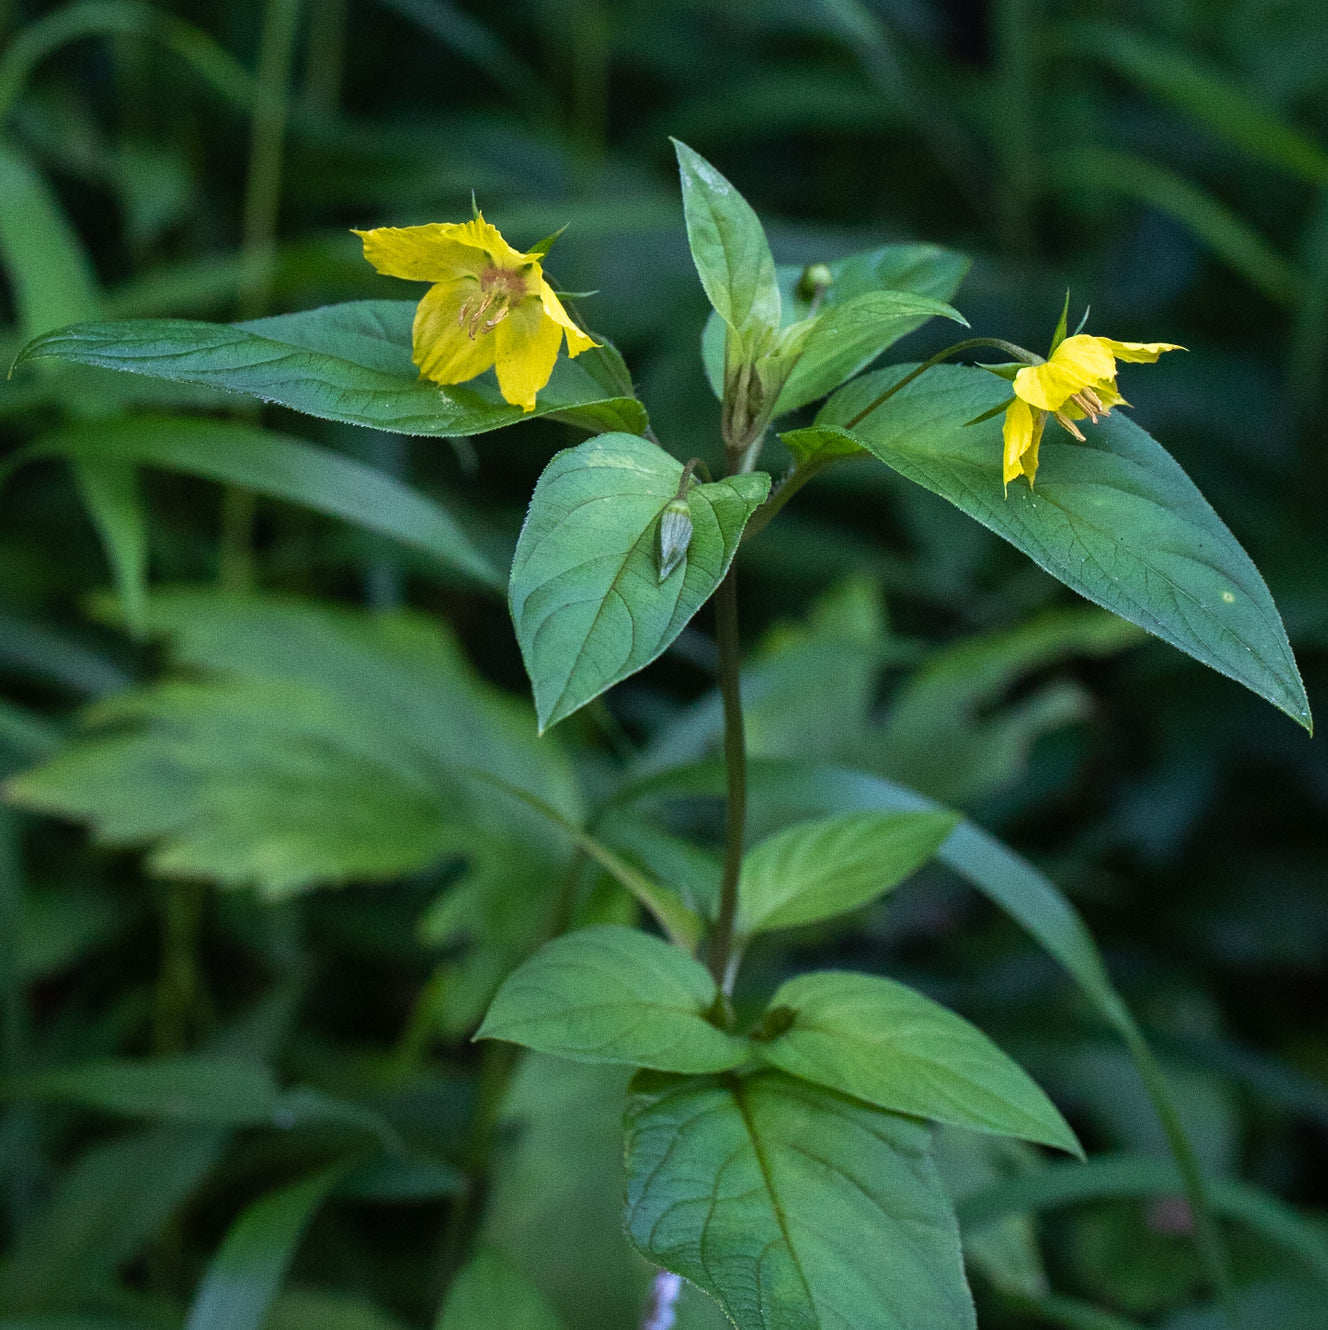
pixel 499 290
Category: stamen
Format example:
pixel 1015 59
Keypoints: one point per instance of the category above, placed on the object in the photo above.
pixel 1089 403
pixel 1066 423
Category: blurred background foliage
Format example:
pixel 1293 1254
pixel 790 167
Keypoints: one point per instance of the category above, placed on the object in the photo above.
pixel 283 717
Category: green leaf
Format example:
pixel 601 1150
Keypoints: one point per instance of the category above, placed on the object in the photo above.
pixel 612 994
pixel 49 273
pixel 850 334
pixel 490 1292
pixel 282 467
pixel 899 273
pixel 222 1091
pixel 1204 94
pixel 298 1308
pixel 105 1208
pixel 1133 1175
pixel 728 246
pixel 793 1206
pixel 587 600
pixel 816 870
pixel 1221 228
pixel 110 492
pixel 883 1042
pixel 556 1193
pixel 245 1275
pixel 1114 518
pixel 346 362
pixel 211 62
pixel 1028 896
pixel 312 745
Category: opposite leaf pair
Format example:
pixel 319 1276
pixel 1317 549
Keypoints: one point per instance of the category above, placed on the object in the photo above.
pixel 613 994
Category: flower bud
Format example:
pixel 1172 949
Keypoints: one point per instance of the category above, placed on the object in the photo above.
pixel 675 534
pixel 816 277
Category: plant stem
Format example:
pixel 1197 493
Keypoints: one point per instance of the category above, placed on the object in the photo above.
pixel 735 765
pixel 181 1000
pixel 262 193
pixel 999 343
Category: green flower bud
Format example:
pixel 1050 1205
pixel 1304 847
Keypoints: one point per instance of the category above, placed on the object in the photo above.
pixel 675 534
pixel 815 277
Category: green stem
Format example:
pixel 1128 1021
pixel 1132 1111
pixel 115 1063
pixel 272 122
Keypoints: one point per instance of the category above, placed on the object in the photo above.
pixel 1015 31
pixel 999 343
pixel 262 195
pixel 498 1064
pixel 181 1002
pixel 735 765
pixel 326 56
pixel 258 244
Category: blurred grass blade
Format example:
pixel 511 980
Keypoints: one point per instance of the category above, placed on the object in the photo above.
pixel 489 1292
pixel 54 284
pixel 246 1274
pixel 38 652
pixel 1205 94
pixel 468 37
pixel 1070 1313
pixel 1134 1175
pixel 118 18
pixel 1309 331
pixel 281 467
pixel 110 492
pixel 105 1209
pixel 219 1091
pixel 49 273
pixel 1229 236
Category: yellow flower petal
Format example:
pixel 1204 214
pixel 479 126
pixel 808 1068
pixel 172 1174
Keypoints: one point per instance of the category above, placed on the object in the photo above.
pixel 1077 362
pixel 1141 352
pixel 430 253
pixel 527 345
pixel 577 341
pixel 1022 432
pixel 441 347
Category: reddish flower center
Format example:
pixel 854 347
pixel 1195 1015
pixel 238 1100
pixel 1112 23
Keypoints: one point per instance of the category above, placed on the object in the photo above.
pixel 499 290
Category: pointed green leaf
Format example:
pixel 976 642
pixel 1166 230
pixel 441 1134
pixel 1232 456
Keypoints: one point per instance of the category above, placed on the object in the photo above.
pixel 883 1042
pixel 851 333
pixel 1114 518
pixel 49 272
pixel 282 467
pixel 110 492
pixel 312 744
pixel 816 870
pixel 346 362
pixel 900 273
pixel 728 246
pixel 246 1274
pixel 223 1091
pixel 490 1292
pixel 613 994
pixel 103 1210
pixel 587 600
pixel 796 1208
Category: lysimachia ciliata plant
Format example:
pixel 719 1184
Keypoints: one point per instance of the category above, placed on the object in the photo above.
pixel 778 1154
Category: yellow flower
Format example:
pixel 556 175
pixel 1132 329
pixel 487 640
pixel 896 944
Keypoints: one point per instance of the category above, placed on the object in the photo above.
pixel 488 305
pixel 1078 380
